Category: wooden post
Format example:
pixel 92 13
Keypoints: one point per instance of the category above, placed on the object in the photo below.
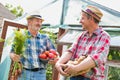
pixel 55 75
pixel 60 47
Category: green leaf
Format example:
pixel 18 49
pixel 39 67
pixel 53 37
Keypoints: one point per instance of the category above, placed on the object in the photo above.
pixel 19 41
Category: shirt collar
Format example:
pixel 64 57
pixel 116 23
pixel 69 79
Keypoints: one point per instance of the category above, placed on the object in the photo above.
pixel 96 32
pixel 37 36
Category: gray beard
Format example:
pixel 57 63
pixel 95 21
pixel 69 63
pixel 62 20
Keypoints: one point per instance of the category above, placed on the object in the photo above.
pixel 35 28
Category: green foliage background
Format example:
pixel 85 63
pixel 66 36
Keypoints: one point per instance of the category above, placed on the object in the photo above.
pixel 17 11
pixel 114 73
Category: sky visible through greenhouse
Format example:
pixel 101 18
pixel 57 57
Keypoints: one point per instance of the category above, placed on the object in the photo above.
pixel 52 14
pixel 30 5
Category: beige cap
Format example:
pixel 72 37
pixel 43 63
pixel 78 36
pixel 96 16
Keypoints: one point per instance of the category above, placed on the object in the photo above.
pixel 93 11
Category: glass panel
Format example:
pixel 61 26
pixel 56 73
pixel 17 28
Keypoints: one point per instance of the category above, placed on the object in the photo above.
pixel 51 12
pixel 74 9
pixel 73 12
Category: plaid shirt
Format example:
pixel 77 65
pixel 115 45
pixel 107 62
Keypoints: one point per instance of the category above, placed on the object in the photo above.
pixel 35 46
pixel 97 47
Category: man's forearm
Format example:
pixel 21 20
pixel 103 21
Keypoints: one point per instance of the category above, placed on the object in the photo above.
pixel 65 57
pixel 86 64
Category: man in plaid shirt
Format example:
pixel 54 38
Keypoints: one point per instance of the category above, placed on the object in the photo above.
pixel 94 43
pixel 33 68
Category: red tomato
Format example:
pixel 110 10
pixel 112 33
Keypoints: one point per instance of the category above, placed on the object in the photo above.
pixel 46 52
pixel 51 56
pixel 43 56
pixel 53 52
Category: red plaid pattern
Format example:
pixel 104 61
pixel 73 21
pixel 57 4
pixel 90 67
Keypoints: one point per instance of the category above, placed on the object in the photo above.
pixel 96 46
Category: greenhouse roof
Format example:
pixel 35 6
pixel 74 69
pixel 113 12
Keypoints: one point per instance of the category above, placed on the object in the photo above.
pixel 68 12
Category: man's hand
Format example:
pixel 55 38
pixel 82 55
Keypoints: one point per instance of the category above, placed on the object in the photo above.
pixel 53 62
pixel 71 69
pixel 60 67
pixel 15 57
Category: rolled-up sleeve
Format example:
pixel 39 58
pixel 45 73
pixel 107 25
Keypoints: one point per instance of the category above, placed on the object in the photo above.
pixel 73 48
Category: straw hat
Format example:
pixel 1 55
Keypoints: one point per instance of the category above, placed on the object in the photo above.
pixel 35 16
pixel 93 11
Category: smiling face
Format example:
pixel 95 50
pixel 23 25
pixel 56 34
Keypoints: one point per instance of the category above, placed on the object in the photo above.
pixel 34 24
pixel 85 21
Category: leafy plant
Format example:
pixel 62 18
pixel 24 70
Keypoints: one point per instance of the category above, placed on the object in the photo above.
pixel 114 73
pixel 114 55
pixel 49 72
pixel 19 48
pixel 19 41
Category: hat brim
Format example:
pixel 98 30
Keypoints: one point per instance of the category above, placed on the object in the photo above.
pixel 92 14
pixel 30 17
